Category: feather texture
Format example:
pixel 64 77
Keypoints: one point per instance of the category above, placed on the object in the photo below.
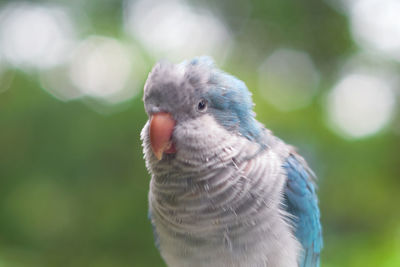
pixel 226 213
pixel 233 194
pixel 302 202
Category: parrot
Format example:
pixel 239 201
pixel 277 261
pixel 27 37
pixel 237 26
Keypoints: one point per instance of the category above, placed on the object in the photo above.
pixel 224 191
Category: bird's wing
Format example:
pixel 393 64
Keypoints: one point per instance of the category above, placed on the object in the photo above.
pixel 302 204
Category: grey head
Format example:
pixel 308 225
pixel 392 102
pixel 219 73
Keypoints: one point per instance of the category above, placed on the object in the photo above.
pixel 196 88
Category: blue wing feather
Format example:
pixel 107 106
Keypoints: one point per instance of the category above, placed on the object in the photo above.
pixel 302 203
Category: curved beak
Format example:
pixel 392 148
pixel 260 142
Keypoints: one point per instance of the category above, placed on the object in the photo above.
pixel 161 127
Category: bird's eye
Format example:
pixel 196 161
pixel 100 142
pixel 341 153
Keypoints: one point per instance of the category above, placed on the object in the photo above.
pixel 202 105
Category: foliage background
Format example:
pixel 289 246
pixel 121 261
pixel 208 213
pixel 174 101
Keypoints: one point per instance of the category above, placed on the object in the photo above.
pixel 73 184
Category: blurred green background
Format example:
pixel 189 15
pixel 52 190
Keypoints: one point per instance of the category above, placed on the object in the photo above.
pixel 73 184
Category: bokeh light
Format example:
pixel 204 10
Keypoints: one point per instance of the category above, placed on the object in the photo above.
pixel 6 76
pixel 174 30
pixel 57 82
pixel 102 68
pixel 288 79
pixel 73 183
pixel 360 104
pixel 376 25
pixel 35 35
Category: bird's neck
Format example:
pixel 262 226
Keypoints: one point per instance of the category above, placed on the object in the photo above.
pixel 198 192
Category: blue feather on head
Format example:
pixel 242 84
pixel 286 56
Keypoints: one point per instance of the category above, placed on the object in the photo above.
pixel 229 100
pixel 207 153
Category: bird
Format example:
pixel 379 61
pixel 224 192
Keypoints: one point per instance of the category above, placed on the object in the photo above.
pixel 224 190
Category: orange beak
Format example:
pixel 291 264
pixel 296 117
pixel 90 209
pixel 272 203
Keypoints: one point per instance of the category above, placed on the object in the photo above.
pixel 161 127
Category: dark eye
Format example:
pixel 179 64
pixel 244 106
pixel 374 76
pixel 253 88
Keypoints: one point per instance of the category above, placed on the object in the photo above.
pixel 202 105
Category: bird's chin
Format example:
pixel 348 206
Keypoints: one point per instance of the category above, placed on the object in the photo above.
pixel 170 149
pixel 169 153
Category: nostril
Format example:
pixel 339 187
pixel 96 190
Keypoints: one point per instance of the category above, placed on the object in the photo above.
pixel 155 109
